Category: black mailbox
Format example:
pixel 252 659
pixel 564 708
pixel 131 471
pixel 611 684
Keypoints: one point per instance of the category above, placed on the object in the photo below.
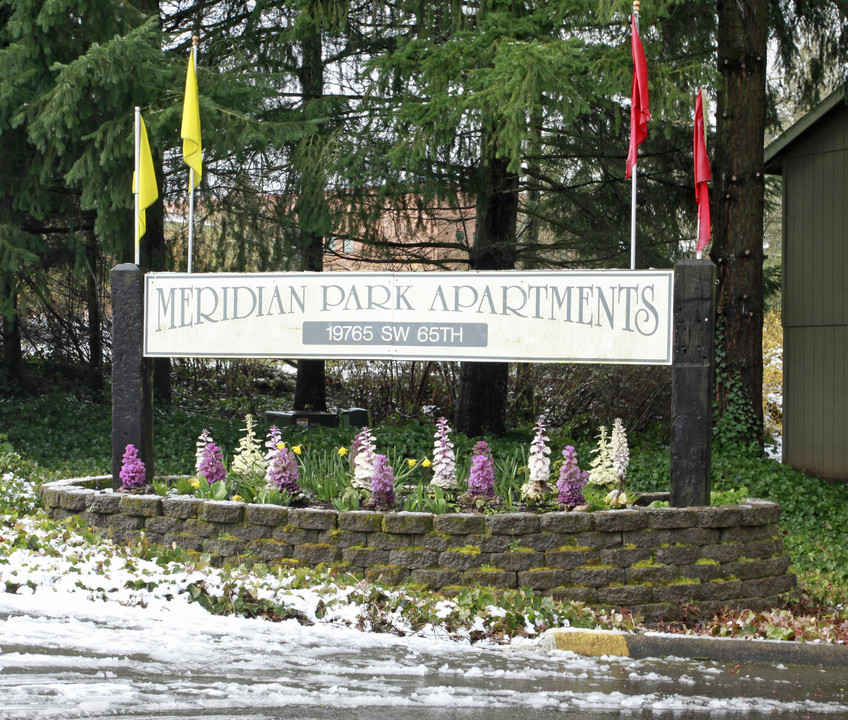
pixel 301 418
pixel 354 418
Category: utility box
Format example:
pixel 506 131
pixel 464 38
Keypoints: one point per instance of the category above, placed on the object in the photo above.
pixel 301 418
pixel 354 418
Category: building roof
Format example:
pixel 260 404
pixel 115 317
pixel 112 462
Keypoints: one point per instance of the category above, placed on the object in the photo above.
pixel 777 149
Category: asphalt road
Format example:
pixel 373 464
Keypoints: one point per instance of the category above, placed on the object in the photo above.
pixel 70 666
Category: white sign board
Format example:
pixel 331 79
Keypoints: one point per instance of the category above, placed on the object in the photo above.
pixel 540 316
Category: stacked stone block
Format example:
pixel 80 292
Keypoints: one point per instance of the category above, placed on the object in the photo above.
pixel 655 560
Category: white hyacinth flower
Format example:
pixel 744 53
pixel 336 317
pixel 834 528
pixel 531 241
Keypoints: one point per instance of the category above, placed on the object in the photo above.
pixel 202 441
pixel 602 472
pixel 363 461
pixel 444 459
pixel 620 451
pixel 248 459
pixel 538 465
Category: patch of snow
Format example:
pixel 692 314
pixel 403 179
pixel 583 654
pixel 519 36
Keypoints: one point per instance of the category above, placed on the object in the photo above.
pixel 774 449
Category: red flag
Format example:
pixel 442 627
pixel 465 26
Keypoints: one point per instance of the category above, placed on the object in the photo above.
pixel 702 176
pixel 639 110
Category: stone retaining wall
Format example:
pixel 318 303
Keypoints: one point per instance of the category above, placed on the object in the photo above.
pixel 649 560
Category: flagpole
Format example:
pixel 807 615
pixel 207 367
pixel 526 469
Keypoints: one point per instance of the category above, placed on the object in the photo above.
pixel 633 176
pixel 702 175
pixel 698 253
pixel 633 220
pixel 698 235
pixel 194 42
pixel 137 178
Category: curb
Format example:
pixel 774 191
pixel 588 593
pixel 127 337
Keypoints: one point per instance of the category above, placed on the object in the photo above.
pixel 596 643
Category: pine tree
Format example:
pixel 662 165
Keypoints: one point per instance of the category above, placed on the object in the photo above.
pixel 38 46
pixel 503 102
pixel 739 193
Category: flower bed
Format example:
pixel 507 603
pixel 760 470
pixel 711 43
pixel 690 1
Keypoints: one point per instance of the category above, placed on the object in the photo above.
pixel 650 560
pixel 281 474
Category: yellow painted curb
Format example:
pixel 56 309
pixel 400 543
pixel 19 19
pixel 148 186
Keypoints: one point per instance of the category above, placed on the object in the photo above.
pixel 637 646
pixel 592 644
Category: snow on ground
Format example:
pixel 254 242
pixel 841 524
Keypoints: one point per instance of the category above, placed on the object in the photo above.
pixel 44 559
pixel 90 629
pixel 63 655
pixel 57 561
pixel 774 449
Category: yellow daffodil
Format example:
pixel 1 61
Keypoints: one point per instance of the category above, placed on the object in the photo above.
pixel 195 483
pixel 426 463
pixel 297 449
pixel 237 498
pixel 412 462
pixel 616 498
pixel 280 445
pixel 342 451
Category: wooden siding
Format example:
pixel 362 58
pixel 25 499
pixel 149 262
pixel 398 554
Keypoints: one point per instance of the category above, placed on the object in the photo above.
pixel 815 302
pixel 815 392
pixel 815 223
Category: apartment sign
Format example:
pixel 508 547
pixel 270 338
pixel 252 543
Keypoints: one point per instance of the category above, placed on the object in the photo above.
pixel 540 316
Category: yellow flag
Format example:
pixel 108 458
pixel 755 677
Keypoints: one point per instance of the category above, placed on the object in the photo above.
pixel 144 184
pixel 190 129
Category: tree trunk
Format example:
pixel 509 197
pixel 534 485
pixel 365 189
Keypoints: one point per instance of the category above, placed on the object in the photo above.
pixel 155 259
pixel 10 330
pixel 524 387
pixel 310 390
pixel 481 407
pixel 95 325
pixel 738 197
pixel 154 247
pixel 310 387
pixel 482 402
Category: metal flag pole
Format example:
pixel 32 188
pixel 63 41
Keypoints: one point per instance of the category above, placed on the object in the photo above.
pixel 699 253
pixel 137 178
pixel 698 235
pixel 633 176
pixel 194 41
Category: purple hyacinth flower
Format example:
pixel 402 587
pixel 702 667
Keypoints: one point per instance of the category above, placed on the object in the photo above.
pixel 571 481
pixel 283 473
pixel 133 471
pixel 481 480
pixel 383 484
pixel 212 464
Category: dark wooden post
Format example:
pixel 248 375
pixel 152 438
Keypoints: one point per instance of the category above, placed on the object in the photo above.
pixel 692 382
pixel 132 397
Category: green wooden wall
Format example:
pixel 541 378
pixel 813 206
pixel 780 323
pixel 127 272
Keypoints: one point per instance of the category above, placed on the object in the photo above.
pixel 815 300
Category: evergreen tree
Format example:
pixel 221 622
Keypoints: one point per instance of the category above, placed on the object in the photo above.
pixel 515 106
pixel 744 108
pixel 64 72
pixel 71 74
pixel 738 192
